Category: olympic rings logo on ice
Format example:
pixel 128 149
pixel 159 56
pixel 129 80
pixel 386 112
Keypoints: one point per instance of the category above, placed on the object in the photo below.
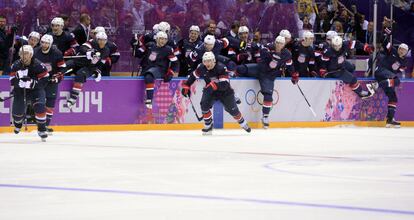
pixel 255 99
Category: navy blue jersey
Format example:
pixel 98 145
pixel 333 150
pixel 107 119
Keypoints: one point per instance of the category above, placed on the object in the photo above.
pixel 333 60
pixel 163 57
pixel 65 42
pixel 272 63
pixel 196 56
pixel 218 74
pixel 150 38
pixel 92 46
pixel 36 71
pixel 186 47
pixel 113 52
pixel 391 60
pixel 303 58
pixel 53 59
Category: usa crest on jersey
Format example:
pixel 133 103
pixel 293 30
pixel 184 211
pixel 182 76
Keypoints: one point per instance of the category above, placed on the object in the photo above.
pixel 153 56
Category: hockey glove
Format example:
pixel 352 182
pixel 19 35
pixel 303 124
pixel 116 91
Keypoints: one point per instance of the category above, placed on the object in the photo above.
pixel 168 75
pixel 57 78
pixel 368 48
pixel 323 73
pixel 70 52
pixel 97 75
pixel 27 84
pixel 295 78
pixel 185 90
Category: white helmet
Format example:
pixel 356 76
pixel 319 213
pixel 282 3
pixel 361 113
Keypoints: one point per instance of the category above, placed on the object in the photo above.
pixel 101 36
pixel 280 39
pixel 285 33
pixel 209 39
pixel 164 26
pixel 47 38
pixel 99 29
pixel 403 46
pixel 34 34
pixel 195 28
pixel 26 49
pixel 337 41
pixel 331 34
pixel 307 34
pixel 243 29
pixel 209 56
pixel 155 28
pixel 161 34
pixel 58 21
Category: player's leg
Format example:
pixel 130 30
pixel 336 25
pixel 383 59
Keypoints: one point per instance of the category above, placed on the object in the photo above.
pixel 51 94
pixel 392 107
pixel 352 81
pixel 38 97
pixel 207 101
pixel 18 109
pixel 266 88
pixel 149 78
pixel 80 79
pixel 247 70
pixel 229 103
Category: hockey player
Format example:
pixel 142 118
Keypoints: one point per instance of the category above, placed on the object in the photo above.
pixel 29 77
pixel 217 88
pixel 304 56
pixel 52 58
pixel 162 63
pixel 96 55
pixel 333 66
pixel 186 46
pixel 243 51
pixel 114 54
pixel 392 63
pixel 34 38
pixel 288 38
pixel 210 44
pixel 64 41
pixel 271 64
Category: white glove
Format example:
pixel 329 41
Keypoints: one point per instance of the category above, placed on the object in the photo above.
pixel 22 73
pixel 27 84
pixel 97 75
pixel 89 55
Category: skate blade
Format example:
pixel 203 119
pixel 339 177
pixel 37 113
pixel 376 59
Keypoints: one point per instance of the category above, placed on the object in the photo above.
pixel 208 133
pixel 43 139
pixel 392 126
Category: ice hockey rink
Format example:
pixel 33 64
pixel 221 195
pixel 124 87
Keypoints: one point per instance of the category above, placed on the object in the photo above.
pixel 315 173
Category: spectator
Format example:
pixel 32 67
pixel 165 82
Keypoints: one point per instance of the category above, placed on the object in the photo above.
pixel 172 7
pixel 211 29
pixel 138 10
pixel 83 29
pixel 6 42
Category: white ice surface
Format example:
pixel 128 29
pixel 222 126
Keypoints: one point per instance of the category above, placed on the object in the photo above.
pixel 324 174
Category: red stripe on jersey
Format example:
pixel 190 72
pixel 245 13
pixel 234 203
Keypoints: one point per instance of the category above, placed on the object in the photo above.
pixel 61 63
pixel 289 62
pixel 12 74
pixel 392 104
pixel 40 115
pixel 43 75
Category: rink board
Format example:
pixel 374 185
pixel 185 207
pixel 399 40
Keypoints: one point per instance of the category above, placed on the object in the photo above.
pixel 117 103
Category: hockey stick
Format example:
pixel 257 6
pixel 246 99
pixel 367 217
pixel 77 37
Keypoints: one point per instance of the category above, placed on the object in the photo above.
pixel 195 111
pixel 5 99
pixel 25 109
pixel 73 57
pixel 309 105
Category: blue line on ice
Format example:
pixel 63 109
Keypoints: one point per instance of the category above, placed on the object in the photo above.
pixel 217 198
